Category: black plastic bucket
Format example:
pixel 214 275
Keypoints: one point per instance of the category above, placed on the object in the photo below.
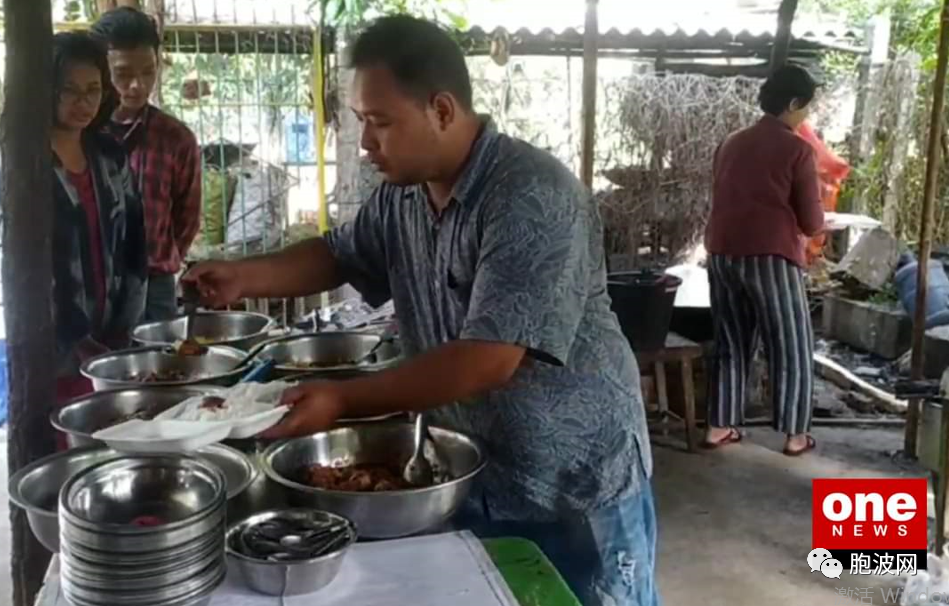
pixel 644 300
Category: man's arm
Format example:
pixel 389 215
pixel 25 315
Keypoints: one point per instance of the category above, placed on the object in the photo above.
pixel 353 253
pixel 805 194
pixel 451 372
pixel 186 196
pixel 527 300
pixel 299 270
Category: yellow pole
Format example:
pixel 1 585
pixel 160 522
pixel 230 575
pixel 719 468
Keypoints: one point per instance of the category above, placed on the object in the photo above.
pixel 320 127
pixel 319 123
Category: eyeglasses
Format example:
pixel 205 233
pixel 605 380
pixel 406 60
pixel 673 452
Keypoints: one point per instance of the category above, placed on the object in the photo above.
pixel 72 96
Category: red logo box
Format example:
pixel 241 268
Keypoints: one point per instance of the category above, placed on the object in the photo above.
pixel 870 514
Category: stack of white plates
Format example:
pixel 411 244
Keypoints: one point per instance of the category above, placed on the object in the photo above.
pixel 143 531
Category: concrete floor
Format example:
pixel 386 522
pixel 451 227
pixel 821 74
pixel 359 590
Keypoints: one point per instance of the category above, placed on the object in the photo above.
pixel 734 524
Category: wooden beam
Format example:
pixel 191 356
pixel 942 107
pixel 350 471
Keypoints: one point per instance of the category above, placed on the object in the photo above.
pixel 755 70
pixel 782 39
pixel 933 160
pixel 27 261
pixel 591 34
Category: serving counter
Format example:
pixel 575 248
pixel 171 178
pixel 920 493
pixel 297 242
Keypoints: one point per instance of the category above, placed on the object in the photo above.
pixel 431 570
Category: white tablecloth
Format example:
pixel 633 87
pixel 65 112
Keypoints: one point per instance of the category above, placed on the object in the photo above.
pixel 434 570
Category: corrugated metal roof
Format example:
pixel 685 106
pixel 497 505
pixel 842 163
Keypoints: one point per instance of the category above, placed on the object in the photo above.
pixel 615 17
pixel 669 18
pixel 240 12
pixel 667 33
pixel 676 24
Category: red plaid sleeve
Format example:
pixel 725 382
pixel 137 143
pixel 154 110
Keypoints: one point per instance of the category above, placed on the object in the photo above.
pixel 186 195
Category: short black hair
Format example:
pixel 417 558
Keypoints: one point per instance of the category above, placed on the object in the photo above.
pixel 70 48
pixel 422 56
pixel 786 84
pixel 127 28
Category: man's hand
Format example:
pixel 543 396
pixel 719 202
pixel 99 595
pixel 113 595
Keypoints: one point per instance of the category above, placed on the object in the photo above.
pixel 218 282
pixel 314 407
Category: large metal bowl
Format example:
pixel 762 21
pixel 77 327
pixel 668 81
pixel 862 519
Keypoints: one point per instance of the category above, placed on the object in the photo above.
pixel 84 416
pixel 328 355
pixel 377 515
pixel 35 488
pixel 116 370
pixel 288 578
pixel 239 329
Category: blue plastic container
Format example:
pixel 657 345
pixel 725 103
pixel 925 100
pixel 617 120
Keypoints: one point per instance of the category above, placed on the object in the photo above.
pixel 937 291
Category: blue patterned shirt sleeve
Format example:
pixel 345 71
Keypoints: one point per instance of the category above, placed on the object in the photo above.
pixel 359 249
pixel 534 263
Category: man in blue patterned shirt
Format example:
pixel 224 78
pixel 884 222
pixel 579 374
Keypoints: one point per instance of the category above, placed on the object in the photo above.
pixel 492 252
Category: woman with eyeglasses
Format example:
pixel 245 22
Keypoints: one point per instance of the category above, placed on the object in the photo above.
pixel 99 250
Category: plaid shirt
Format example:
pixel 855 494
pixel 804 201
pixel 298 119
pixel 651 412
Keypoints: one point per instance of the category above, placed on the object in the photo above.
pixel 167 166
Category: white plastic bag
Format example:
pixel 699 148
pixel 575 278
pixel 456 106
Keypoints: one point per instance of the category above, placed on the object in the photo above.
pixel 247 410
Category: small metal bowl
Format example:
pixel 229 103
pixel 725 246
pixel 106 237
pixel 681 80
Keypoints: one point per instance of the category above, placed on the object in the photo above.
pixel 35 488
pixel 116 370
pixel 84 416
pixel 338 354
pixel 239 329
pixel 290 578
pixel 378 515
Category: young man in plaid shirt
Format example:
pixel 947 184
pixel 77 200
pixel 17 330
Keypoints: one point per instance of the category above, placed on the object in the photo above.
pixel 164 153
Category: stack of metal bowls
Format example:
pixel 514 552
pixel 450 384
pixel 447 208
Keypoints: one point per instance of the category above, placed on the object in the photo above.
pixel 143 531
pixel 36 487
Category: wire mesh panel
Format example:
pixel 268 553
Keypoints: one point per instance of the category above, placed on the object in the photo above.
pixel 245 90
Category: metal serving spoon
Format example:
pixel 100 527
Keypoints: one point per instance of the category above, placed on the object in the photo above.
pixel 418 471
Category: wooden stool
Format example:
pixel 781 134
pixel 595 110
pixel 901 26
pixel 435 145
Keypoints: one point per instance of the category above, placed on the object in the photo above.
pixel 681 350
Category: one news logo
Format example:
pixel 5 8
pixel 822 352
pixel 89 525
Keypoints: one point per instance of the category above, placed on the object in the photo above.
pixel 872 525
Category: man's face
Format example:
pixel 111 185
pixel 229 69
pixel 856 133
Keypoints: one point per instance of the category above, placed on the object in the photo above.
pixel 401 135
pixel 134 73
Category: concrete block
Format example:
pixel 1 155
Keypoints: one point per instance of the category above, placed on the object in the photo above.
pixel 936 348
pixel 878 329
pixel 871 262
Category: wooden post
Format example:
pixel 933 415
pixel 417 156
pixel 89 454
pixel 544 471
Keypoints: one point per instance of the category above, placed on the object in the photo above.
pixel 591 33
pixel 782 39
pixel 926 229
pixel 27 261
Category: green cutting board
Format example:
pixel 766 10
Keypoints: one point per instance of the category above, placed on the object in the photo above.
pixel 532 578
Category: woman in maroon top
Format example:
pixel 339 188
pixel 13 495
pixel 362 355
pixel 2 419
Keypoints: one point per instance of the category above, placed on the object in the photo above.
pixel 765 204
pixel 99 254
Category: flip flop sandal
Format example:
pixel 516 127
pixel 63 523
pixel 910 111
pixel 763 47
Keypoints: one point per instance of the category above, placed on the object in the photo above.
pixel 732 437
pixel 811 444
